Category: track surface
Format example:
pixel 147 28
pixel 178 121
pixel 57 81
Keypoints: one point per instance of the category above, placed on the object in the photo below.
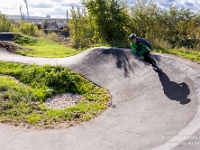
pixel 151 109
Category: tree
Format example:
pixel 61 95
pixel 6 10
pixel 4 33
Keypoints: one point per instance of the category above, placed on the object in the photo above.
pixel 175 27
pixel 145 18
pixel 5 24
pixel 110 18
pixel 81 30
pixel 181 23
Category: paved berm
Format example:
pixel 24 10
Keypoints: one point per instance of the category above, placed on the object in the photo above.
pixel 150 110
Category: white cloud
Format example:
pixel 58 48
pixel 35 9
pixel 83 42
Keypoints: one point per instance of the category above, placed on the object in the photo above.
pixel 41 5
pixel 57 8
pixel 193 5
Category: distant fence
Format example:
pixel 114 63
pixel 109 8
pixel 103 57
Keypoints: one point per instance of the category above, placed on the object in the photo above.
pixel 4 36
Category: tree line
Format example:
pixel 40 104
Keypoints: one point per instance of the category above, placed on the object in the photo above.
pixel 112 21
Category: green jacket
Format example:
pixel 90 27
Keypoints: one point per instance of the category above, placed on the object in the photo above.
pixel 140 47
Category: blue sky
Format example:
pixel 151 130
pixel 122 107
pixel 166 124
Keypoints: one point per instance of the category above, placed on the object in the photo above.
pixel 57 8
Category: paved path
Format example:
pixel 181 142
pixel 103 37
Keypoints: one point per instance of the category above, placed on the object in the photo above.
pixel 152 109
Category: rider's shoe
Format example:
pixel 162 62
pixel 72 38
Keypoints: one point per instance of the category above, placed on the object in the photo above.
pixel 154 68
pixel 157 69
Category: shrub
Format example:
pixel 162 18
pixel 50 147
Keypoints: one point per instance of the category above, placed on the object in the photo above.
pixel 5 24
pixel 28 28
pixel 24 40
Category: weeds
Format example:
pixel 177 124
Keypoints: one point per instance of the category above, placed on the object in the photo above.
pixel 24 89
pixel 189 54
pixel 42 47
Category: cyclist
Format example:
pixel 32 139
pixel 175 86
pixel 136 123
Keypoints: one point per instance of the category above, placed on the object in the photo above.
pixel 141 48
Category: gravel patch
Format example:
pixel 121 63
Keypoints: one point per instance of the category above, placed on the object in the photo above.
pixel 63 100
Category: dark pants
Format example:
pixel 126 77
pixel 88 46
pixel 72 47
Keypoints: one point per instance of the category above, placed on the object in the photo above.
pixel 148 59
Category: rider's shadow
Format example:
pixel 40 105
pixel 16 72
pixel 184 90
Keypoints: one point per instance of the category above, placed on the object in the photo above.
pixel 173 90
pixel 122 60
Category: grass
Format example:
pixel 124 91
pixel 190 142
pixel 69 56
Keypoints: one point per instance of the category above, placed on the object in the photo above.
pixel 42 47
pixel 189 54
pixel 24 89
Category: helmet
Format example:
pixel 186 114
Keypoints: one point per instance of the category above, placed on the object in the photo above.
pixel 132 36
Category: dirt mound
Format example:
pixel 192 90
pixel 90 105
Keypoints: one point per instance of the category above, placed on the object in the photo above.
pixel 11 46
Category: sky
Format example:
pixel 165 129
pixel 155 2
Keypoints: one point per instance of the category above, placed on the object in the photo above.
pixel 58 8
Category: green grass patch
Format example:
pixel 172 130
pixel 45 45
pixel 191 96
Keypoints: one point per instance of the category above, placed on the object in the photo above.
pixel 49 51
pixel 189 54
pixel 24 89
pixel 42 47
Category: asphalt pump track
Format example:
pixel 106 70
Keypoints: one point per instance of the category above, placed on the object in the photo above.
pixel 149 110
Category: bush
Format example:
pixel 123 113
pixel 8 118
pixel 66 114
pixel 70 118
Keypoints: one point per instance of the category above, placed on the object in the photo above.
pixel 5 24
pixel 160 43
pixel 28 28
pixel 81 30
pixel 40 33
pixel 22 95
pixel 24 40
